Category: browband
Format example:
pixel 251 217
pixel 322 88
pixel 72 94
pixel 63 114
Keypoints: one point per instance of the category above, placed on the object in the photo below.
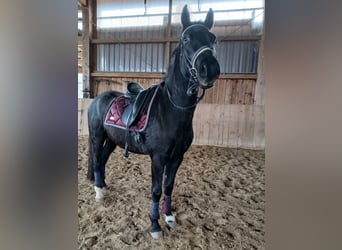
pixel 197 24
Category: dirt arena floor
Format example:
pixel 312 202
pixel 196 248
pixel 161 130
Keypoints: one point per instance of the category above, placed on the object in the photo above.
pixel 218 202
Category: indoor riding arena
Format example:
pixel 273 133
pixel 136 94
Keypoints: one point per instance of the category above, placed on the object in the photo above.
pixel 218 198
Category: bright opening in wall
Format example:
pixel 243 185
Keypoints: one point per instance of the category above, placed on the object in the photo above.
pixel 136 14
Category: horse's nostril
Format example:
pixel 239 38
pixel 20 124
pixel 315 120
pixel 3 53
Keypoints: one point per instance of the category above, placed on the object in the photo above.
pixel 204 70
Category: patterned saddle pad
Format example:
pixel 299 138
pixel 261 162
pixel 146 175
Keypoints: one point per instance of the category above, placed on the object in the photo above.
pixel 116 109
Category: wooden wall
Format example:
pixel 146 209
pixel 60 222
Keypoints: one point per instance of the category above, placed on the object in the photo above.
pixel 230 125
pixel 119 83
pixel 83 105
pixel 225 91
pixel 228 115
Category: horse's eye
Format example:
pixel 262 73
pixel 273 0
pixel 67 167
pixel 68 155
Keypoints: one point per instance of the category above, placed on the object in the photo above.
pixel 214 43
pixel 186 39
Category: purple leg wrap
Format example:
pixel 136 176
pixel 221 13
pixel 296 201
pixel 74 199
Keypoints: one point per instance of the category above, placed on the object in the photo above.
pixel 167 205
pixel 155 210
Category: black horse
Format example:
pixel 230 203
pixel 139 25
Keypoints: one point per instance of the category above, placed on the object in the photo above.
pixel 168 133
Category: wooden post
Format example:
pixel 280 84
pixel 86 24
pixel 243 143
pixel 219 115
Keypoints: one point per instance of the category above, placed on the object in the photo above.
pixel 92 47
pixel 259 97
pixel 168 36
pixel 85 52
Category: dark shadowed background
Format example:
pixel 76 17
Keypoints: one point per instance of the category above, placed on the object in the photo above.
pixel 303 124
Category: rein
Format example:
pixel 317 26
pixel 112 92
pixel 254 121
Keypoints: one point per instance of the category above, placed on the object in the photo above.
pixel 198 99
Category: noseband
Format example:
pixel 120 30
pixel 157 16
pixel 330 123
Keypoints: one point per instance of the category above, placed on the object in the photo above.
pixel 193 82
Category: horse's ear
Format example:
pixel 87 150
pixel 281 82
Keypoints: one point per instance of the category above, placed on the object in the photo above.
pixel 209 20
pixel 185 17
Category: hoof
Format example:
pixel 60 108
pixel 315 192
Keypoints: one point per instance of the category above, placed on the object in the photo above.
pixel 170 221
pixel 100 193
pixel 155 231
pixel 156 235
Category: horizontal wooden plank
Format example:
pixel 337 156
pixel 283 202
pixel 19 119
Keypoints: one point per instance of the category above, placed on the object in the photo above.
pixel 160 75
pixel 164 40
pixel 128 74
pixel 123 41
pixel 239 76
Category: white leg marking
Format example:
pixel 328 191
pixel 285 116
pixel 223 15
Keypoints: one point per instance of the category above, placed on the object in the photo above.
pixel 170 221
pixel 100 193
pixel 156 235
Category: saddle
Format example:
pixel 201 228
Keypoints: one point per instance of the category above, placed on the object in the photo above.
pixel 138 99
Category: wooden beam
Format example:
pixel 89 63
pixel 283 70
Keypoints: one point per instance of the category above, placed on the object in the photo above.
pixel 160 75
pixel 85 52
pixel 259 96
pixel 168 37
pixel 168 40
pixel 92 47
pixel 238 76
pixel 82 3
pixel 123 41
pixel 239 38
pixel 128 74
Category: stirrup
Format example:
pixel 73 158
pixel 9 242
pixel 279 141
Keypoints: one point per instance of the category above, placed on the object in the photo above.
pixel 125 154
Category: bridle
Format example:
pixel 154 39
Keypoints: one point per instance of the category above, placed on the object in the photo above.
pixel 193 85
pixel 193 81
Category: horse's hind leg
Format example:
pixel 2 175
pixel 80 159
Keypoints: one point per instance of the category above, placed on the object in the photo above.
pixel 90 173
pixel 96 164
pixel 102 148
pixel 108 148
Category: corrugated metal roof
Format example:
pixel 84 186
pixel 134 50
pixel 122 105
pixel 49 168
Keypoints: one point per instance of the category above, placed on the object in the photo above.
pixel 233 56
pixel 141 57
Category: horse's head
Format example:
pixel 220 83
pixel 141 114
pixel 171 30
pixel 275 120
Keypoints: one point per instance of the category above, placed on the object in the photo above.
pixel 197 48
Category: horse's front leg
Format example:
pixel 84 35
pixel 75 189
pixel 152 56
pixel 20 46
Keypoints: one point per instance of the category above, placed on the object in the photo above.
pixel 158 164
pixel 170 175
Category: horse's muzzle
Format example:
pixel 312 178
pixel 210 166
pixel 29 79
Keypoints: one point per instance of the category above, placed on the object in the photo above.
pixel 208 74
pixel 207 85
